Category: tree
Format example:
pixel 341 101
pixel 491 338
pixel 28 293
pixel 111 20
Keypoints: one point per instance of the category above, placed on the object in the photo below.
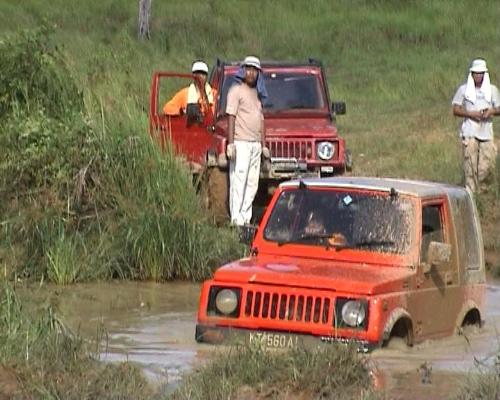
pixel 144 13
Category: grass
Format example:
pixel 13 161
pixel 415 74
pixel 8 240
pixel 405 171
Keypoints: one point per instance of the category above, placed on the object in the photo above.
pixel 251 372
pixel 84 196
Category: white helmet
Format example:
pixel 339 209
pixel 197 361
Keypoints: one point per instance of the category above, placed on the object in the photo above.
pixel 200 66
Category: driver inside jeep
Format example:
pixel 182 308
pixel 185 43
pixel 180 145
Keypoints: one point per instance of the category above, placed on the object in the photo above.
pixel 197 99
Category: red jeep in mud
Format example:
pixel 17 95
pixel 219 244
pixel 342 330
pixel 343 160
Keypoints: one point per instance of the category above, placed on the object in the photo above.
pixel 299 125
pixel 352 259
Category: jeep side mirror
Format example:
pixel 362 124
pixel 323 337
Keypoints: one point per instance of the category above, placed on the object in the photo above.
pixel 438 253
pixel 247 233
pixel 339 107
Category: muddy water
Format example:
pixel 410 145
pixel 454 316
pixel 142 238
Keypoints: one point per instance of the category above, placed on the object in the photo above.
pixel 153 325
pixel 147 323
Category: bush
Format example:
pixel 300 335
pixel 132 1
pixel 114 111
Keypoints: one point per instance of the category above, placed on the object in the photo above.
pixel 332 371
pixel 85 199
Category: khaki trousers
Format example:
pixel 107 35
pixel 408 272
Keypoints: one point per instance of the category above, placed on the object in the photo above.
pixel 479 162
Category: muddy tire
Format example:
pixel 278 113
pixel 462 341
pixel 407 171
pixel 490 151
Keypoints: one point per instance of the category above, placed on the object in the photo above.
pixel 215 194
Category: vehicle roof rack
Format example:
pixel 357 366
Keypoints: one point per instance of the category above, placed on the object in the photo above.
pixel 286 63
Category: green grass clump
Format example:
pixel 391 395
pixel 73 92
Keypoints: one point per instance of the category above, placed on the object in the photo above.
pixel 40 358
pixel 84 196
pixel 327 372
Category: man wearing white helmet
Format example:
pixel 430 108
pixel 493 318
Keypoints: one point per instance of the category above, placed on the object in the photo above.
pixel 198 92
pixel 477 101
pixel 246 138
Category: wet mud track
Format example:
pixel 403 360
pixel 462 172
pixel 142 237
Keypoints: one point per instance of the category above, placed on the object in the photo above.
pixel 153 325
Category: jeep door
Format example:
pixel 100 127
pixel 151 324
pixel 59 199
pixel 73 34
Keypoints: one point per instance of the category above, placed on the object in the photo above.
pixel 436 302
pixel 189 137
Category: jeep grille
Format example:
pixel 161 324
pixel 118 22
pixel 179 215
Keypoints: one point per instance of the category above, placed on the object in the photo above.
pixel 299 149
pixel 289 307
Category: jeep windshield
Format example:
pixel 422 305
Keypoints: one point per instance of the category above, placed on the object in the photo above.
pixel 287 91
pixel 340 219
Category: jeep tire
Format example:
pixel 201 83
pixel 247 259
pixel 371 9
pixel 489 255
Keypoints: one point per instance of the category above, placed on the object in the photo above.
pixel 215 194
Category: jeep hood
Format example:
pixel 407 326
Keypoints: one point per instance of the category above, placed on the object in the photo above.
pixel 356 278
pixel 303 127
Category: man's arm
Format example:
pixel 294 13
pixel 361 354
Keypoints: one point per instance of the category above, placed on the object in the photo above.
pixel 490 112
pixel 176 104
pixel 460 111
pixel 263 133
pixel 230 129
pixel 495 100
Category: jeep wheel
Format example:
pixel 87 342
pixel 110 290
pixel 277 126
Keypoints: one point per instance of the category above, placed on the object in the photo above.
pixel 215 195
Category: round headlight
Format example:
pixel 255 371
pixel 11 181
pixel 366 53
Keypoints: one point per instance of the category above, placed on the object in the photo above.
pixel 325 150
pixel 226 301
pixel 353 313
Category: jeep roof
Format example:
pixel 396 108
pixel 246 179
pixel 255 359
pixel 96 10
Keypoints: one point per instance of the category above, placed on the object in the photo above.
pixel 410 187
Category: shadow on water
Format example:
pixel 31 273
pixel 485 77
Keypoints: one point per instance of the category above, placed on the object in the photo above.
pixel 153 325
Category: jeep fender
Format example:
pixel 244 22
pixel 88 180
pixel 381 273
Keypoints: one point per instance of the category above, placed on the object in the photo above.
pixel 398 314
pixel 468 306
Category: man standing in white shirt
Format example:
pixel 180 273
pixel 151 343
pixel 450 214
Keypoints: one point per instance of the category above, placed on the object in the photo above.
pixel 246 139
pixel 477 101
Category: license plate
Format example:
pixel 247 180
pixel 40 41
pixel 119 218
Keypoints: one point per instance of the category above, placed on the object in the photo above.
pixel 274 340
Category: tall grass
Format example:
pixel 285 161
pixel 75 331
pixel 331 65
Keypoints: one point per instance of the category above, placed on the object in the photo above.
pixel 85 194
pixel 333 372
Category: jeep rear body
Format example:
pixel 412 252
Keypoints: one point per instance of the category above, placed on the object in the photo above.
pixel 392 258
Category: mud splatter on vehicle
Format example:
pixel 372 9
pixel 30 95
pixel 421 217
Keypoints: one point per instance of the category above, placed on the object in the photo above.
pixel 352 259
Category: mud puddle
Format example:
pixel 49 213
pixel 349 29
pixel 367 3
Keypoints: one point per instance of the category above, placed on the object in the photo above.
pixel 146 323
pixel 435 369
pixel 153 325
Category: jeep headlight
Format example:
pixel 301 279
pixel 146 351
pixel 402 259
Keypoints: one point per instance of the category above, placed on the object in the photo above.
pixel 325 150
pixel 352 313
pixel 226 301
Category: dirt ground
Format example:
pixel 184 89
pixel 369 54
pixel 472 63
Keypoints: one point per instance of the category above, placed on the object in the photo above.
pixel 9 383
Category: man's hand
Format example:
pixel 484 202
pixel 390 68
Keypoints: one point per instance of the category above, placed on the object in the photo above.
pixel 487 113
pixel 475 115
pixel 231 151
pixel 266 153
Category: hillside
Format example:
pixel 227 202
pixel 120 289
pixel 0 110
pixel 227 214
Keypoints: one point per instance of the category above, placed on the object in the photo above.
pixel 395 64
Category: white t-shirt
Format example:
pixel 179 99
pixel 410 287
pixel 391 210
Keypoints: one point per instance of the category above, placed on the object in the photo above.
pixel 480 130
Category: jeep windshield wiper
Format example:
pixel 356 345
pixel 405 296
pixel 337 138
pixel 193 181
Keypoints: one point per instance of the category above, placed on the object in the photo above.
pixel 304 236
pixel 375 243
pixel 329 243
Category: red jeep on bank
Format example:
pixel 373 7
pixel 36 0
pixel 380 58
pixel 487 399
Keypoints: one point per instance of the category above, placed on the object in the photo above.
pixel 352 259
pixel 299 125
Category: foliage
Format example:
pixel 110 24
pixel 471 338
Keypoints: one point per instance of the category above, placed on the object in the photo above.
pixel 334 371
pixel 84 197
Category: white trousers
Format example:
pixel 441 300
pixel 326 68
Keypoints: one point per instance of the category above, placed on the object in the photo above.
pixel 244 180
